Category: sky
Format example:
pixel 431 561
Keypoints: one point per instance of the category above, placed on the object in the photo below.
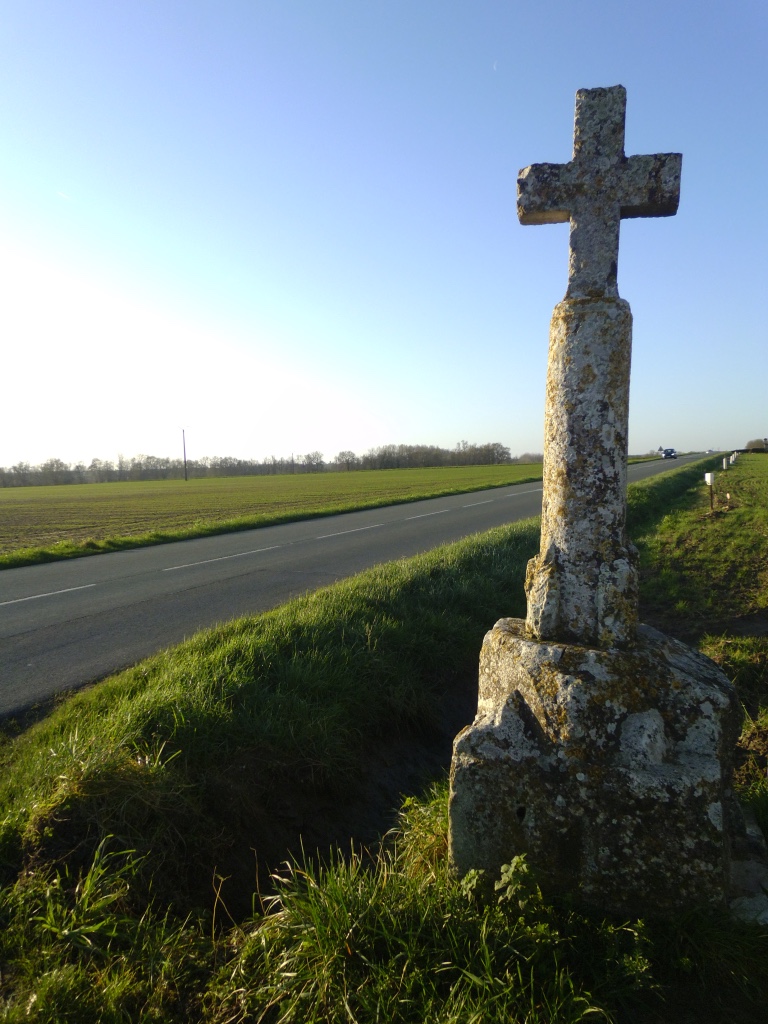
pixel 284 226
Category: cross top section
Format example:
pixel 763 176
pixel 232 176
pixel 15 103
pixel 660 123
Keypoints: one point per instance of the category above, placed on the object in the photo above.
pixel 598 188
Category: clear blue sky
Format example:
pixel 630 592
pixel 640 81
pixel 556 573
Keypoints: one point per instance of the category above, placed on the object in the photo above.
pixel 289 225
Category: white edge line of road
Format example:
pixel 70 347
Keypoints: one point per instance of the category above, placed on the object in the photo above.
pixel 425 514
pixel 221 558
pixel 357 529
pixel 51 593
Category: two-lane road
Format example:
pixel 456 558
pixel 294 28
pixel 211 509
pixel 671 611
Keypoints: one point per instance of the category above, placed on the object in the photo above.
pixel 68 623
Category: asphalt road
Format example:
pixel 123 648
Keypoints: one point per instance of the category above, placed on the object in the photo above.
pixel 66 624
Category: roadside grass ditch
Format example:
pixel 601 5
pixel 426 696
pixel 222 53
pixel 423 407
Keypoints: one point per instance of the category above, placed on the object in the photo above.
pixel 193 840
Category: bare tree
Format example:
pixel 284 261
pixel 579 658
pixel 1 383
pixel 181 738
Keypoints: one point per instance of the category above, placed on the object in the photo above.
pixel 347 459
pixel 314 461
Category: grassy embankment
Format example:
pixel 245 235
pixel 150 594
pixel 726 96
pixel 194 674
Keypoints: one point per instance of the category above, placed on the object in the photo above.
pixel 41 524
pixel 122 813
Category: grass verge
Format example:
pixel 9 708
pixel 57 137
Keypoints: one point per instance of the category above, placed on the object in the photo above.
pixel 131 821
pixel 704 578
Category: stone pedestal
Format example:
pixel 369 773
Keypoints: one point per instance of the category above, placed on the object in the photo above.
pixel 610 769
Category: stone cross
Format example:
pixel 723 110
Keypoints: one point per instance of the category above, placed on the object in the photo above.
pixel 601 749
pixel 582 587
pixel 597 189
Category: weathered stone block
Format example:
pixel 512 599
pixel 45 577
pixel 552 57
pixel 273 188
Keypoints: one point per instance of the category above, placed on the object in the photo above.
pixel 611 769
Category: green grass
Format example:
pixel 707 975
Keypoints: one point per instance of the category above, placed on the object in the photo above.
pixel 189 759
pixel 704 578
pixel 132 817
pixel 701 570
pixel 213 730
pixel 39 524
pixel 401 940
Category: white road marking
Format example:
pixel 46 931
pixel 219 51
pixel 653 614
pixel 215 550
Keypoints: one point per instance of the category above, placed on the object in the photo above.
pixel 424 514
pixel 473 503
pixel 221 558
pixel 357 529
pixel 531 490
pixel 51 593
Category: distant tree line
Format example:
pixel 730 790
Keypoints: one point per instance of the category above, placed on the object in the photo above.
pixel 153 467
pixel 412 456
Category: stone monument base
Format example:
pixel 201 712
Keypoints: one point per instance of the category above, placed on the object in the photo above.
pixel 611 769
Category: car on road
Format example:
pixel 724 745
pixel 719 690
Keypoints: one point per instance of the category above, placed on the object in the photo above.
pixel 669 453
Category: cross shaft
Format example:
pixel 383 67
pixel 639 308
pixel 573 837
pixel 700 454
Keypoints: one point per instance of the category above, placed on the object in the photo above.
pixel 582 587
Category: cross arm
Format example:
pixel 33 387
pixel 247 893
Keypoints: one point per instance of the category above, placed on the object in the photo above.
pixel 650 185
pixel 543 194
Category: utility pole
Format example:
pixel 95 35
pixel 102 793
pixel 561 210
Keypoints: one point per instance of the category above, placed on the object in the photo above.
pixel 184 446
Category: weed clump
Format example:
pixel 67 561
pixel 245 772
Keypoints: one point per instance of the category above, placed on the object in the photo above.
pixel 399 939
